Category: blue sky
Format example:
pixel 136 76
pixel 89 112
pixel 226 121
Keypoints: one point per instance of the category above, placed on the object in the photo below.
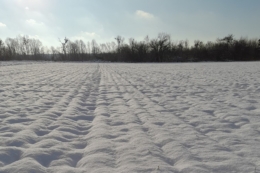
pixel 103 20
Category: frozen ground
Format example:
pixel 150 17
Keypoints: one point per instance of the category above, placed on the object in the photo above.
pixel 11 63
pixel 79 117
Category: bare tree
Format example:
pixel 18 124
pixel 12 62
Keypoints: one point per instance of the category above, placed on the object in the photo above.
pixel 120 42
pixel 160 46
pixel 88 48
pixel 2 49
pixel 35 46
pixel 73 50
pixel 132 44
pixel 258 45
pixel 228 39
pixel 26 41
pixel 82 49
pixel 63 46
pixel 95 48
pixel 55 54
pixel 139 50
pixel 12 47
pixel 103 48
pixel 113 46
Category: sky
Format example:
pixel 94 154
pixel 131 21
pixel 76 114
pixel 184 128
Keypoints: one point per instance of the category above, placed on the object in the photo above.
pixel 103 20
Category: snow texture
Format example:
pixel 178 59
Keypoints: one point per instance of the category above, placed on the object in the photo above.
pixel 105 117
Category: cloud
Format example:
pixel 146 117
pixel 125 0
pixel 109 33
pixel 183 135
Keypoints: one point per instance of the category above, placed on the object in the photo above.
pixel 86 36
pixel 35 37
pixel 90 34
pixel 2 25
pixel 34 23
pixel 34 27
pixel 27 8
pixel 144 15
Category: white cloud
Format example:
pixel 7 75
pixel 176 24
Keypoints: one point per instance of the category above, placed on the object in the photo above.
pixel 35 37
pixel 27 8
pixel 144 15
pixel 33 22
pixel 86 36
pixel 90 34
pixel 2 25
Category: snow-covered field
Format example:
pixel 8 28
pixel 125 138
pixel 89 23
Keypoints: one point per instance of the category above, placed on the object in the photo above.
pixel 98 117
pixel 11 63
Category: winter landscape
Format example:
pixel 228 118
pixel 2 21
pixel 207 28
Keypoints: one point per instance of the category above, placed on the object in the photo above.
pixel 118 117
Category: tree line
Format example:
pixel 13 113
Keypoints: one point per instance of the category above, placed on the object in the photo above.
pixel 159 49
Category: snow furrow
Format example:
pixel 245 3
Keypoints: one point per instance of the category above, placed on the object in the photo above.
pixel 134 137
pixel 213 154
pixel 90 117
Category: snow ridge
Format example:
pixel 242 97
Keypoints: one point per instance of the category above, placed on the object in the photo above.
pixel 105 117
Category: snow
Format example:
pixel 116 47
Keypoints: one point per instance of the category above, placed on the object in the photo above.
pixel 12 63
pixel 116 117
